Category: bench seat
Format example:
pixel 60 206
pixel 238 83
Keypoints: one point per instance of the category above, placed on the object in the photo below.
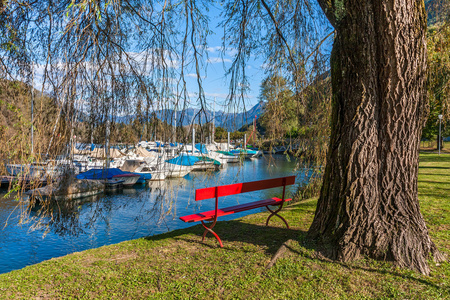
pixel 209 215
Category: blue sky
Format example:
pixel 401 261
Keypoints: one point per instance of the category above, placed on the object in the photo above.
pixel 215 83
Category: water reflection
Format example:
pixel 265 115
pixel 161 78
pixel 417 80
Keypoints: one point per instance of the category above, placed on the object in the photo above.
pixel 110 218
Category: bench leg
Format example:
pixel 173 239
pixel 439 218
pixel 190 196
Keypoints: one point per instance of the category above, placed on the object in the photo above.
pixel 275 213
pixel 209 229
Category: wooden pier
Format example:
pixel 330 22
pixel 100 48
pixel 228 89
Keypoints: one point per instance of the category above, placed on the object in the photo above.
pixel 24 181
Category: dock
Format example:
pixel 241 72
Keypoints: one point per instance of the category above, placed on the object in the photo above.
pixel 23 181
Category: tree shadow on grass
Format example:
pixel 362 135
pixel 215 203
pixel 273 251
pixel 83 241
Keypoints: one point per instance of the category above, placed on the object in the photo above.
pixel 434 182
pixel 356 265
pixel 236 233
pixel 444 157
pixel 432 174
pixel 271 238
pixel 438 196
pixel 434 167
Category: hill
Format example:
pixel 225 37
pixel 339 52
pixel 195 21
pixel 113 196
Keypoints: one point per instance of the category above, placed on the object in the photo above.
pixel 15 119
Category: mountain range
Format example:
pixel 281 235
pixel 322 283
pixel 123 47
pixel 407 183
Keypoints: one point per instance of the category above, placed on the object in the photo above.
pixel 229 121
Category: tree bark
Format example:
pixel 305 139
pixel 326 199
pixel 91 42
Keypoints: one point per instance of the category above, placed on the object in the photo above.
pixel 369 198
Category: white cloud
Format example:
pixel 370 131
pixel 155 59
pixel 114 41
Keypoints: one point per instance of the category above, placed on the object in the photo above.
pixel 214 49
pixel 218 95
pixel 214 60
pixel 194 75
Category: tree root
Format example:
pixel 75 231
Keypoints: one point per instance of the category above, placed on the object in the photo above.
pixel 280 252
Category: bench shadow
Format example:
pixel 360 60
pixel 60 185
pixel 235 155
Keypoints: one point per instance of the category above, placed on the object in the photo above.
pixel 269 237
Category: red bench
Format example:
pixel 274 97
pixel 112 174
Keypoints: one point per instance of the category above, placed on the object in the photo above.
pixel 239 188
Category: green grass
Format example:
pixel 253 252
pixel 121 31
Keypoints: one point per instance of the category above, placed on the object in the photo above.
pixel 178 265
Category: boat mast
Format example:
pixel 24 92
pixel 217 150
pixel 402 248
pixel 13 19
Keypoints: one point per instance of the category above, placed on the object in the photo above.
pixel 32 108
pixel 107 140
pixel 193 139
pixel 175 121
pixel 213 122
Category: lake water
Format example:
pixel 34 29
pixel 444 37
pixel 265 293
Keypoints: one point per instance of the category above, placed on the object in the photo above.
pixel 131 214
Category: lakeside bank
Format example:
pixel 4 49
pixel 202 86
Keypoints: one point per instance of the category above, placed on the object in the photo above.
pixel 178 265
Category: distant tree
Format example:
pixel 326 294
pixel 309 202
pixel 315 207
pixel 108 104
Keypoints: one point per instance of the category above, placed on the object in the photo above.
pixel 220 133
pixel 281 110
pixel 438 38
pixel 237 135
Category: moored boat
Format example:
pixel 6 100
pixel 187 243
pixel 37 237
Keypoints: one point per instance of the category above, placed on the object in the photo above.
pixel 226 156
pixel 147 172
pixel 246 153
pixel 113 186
pixel 113 174
pixel 67 189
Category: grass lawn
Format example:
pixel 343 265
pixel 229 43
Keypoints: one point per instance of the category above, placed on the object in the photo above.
pixel 178 265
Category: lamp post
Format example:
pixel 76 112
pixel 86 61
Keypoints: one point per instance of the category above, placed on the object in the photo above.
pixel 439 143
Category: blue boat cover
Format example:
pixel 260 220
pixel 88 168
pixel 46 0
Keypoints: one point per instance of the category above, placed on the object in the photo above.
pixel 101 173
pixel 201 148
pixel 144 177
pixel 184 160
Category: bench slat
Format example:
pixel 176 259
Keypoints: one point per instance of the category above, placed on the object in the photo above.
pixel 238 188
pixel 231 210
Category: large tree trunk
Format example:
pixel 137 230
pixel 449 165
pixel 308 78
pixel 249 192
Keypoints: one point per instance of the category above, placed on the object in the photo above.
pixel 369 199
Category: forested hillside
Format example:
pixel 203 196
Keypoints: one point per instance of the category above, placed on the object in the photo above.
pixel 15 120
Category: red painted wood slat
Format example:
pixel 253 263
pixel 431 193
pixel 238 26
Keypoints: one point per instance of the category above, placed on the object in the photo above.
pixel 238 188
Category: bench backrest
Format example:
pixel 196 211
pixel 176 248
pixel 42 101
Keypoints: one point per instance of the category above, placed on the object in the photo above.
pixel 238 188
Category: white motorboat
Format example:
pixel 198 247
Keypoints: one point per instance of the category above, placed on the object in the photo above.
pixel 205 160
pixel 224 156
pixel 31 170
pixel 176 171
pixel 141 167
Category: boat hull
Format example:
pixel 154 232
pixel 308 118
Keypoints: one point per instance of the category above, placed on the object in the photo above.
pixel 128 179
pixel 177 171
